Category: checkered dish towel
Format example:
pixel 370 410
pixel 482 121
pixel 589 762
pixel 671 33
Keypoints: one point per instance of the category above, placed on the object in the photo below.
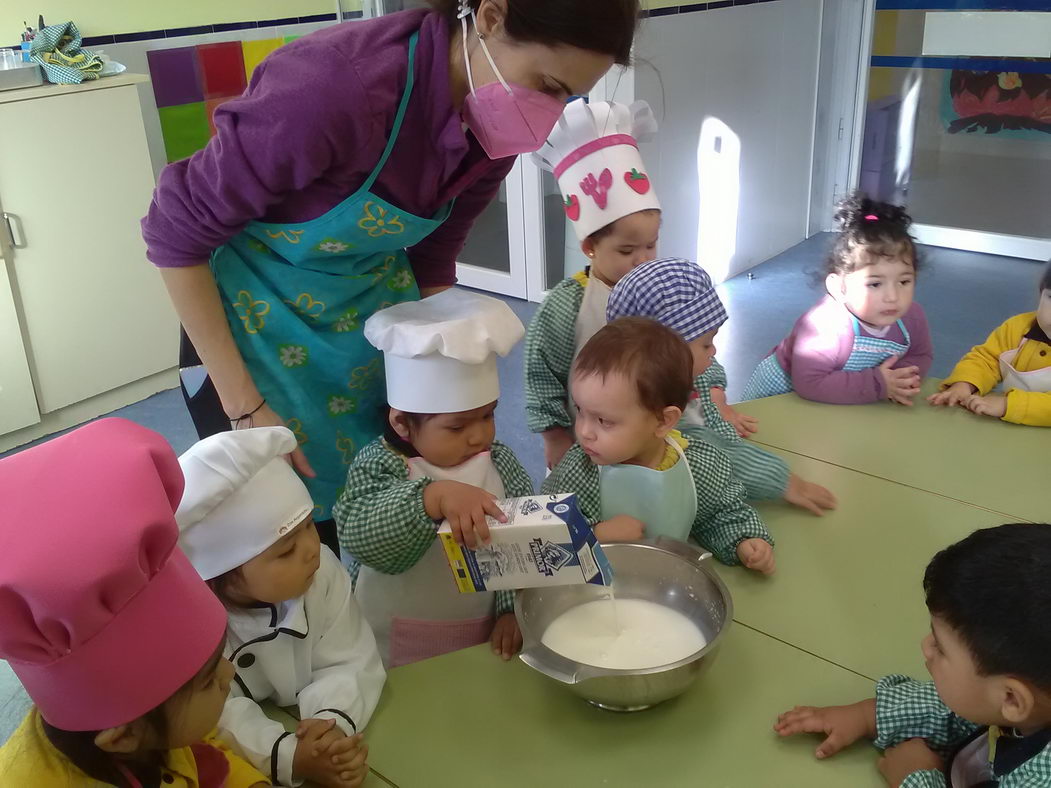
pixel 57 49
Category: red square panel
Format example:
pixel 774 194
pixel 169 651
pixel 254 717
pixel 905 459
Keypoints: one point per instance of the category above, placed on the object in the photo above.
pixel 223 69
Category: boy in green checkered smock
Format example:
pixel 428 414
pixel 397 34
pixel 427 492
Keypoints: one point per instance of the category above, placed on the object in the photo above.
pixel 633 473
pixel 985 720
pixel 438 461
pixel 680 295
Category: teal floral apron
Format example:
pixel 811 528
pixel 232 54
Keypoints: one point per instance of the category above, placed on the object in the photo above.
pixel 296 296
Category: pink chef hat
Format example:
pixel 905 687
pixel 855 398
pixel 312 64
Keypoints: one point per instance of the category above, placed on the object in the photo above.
pixel 103 617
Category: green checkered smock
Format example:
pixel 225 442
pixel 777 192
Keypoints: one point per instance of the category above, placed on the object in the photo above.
pixel 764 474
pixel 380 515
pixel 910 709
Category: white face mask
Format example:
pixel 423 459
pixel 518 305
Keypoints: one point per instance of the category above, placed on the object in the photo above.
pixel 1043 312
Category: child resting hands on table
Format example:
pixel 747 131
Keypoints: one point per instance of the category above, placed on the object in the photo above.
pixel 296 635
pixel 632 468
pixel 866 340
pixel 1017 355
pixel 985 720
pixel 679 294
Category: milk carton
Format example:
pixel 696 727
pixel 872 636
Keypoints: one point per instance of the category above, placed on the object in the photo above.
pixel 545 542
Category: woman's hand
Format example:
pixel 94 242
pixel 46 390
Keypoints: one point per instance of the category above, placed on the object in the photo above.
pixel 841 725
pixel 265 416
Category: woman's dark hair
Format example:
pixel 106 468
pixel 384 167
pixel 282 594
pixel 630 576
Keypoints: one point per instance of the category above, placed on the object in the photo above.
pixel 604 26
pixel 394 439
pixel 992 588
pixel 869 229
pixel 1045 280
pixel 607 230
pixel 80 748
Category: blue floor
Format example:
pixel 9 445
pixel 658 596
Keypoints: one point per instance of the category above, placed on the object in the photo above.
pixel 965 296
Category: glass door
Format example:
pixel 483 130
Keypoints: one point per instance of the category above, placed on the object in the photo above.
pixel 958 122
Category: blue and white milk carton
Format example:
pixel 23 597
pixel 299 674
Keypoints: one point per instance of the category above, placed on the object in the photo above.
pixel 545 542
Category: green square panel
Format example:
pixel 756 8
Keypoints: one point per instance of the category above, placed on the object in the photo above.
pixel 185 129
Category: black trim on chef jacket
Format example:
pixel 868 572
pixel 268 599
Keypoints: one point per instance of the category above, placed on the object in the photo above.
pixel 236 653
pixel 344 716
pixel 1011 753
pixel 273 757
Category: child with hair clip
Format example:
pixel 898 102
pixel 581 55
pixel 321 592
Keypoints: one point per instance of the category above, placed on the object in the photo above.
pixel 438 461
pixel 115 637
pixel 866 340
pixel 296 634
pixel 634 474
pixel 680 295
pixel 985 719
pixel 1017 357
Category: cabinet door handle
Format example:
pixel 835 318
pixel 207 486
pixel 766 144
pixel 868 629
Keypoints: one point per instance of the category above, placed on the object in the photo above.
pixel 11 223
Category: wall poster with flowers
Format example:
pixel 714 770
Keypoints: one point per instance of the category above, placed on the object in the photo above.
pixel 1005 103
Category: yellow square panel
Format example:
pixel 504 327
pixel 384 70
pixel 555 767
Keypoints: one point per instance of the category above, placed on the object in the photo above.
pixel 255 51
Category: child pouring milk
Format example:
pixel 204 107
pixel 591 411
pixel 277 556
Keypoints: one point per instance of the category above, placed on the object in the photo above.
pixel 112 633
pixel 296 634
pixel 679 294
pixel 438 461
pixel 1016 356
pixel 613 209
pixel 634 474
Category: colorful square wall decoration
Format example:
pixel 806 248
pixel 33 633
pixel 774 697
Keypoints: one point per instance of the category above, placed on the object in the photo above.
pixel 189 83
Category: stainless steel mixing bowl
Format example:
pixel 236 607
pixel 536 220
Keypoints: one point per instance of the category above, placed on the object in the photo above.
pixel 665 571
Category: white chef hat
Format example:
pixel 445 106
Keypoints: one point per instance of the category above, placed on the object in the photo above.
pixel 241 496
pixel 440 353
pixel 593 152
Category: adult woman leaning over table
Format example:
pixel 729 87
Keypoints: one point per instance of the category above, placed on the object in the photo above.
pixel 346 179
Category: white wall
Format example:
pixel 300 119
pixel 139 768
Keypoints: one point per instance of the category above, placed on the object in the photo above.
pixel 754 68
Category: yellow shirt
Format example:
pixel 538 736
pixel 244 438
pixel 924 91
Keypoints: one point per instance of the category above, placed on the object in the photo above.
pixel 671 456
pixel 29 760
pixel 981 368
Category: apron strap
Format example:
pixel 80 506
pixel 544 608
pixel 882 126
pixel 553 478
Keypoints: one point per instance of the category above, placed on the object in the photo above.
pixel 904 332
pixel 399 118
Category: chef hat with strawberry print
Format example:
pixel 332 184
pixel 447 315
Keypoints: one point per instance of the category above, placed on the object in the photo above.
pixel 594 154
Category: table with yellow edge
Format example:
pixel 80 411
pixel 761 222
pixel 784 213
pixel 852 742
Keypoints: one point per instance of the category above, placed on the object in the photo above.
pixel 845 607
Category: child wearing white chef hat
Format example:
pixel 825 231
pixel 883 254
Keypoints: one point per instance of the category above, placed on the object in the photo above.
pixel 438 461
pixel 611 205
pixel 296 634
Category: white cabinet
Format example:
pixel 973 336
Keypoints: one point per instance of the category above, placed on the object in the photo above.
pixel 82 312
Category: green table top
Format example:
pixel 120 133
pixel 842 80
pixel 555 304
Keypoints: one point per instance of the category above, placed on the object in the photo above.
pixel 949 451
pixel 469 719
pixel 848 585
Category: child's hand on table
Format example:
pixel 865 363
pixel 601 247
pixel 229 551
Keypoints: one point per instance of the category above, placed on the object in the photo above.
pixel 807 495
pixel 621 528
pixel 994 405
pixel 757 554
pixel 327 756
pixel 956 394
pixel 902 384
pixel 901 760
pixel 557 441
pixel 506 639
pixel 465 507
pixel 745 425
pixel 841 725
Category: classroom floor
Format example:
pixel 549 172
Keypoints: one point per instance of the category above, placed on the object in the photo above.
pixel 964 294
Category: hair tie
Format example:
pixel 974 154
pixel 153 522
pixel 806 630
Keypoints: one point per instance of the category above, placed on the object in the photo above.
pixel 871 217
